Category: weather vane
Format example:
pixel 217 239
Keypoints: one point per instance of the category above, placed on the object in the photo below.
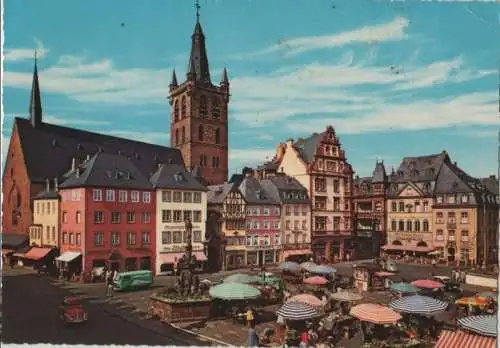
pixel 197 5
pixel 36 55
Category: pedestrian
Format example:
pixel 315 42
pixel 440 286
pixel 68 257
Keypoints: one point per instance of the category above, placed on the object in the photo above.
pixel 109 283
pixel 253 339
pixel 463 276
pixel 250 318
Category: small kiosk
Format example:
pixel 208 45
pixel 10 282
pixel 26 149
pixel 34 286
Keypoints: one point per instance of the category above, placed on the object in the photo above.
pixel 363 274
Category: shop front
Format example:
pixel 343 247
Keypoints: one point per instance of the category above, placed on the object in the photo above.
pixel 69 264
pixel 169 257
pixel 262 255
pixel 235 257
pixel 296 252
pixel 331 249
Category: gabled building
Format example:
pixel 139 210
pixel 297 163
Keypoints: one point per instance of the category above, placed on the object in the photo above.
pixel 319 163
pixel 44 232
pixel 107 216
pixel 369 195
pixel 263 216
pixel 295 216
pixel 179 198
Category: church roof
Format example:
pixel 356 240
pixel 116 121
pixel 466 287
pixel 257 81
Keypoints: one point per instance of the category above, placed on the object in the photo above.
pixel 198 60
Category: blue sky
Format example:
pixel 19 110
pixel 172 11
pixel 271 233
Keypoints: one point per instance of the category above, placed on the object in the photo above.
pixel 395 79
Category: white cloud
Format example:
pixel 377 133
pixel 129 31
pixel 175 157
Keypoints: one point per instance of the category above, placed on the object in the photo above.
pixel 16 54
pixel 147 137
pixel 391 31
pixel 239 158
pixel 73 122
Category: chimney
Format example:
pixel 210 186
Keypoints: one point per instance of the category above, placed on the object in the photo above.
pixel 73 164
pixel 47 184
pixel 455 164
pixel 493 177
pixel 56 184
pixel 77 172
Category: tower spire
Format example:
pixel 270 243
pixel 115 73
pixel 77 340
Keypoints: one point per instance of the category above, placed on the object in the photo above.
pixel 174 83
pixel 197 5
pixel 35 109
pixel 198 60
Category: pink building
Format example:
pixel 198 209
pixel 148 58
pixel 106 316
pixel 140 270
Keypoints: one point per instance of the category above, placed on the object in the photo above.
pixel 107 216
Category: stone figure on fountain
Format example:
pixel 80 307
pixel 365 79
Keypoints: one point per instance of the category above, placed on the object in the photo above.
pixel 186 265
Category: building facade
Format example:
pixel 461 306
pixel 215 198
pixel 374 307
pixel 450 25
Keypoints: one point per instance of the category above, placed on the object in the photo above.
pixel 369 202
pixel 295 216
pixel 107 216
pixel 199 122
pixel 46 218
pixel 263 227
pixel 179 198
pixel 320 165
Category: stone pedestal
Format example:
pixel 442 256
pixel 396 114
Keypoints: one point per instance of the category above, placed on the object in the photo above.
pixel 173 310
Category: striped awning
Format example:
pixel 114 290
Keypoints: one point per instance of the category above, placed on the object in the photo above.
pixel 481 324
pixel 297 311
pixel 453 339
pixel 36 253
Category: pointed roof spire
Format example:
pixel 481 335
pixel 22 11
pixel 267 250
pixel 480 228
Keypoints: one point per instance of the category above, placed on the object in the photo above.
pixel 35 109
pixel 198 59
pixel 197 5
pixel 225 79
pixel 191 75
pixel 173 82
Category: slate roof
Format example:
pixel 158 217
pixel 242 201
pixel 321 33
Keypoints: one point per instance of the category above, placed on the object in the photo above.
pixel 379 174
pixel 421 168
pixel 198 60
pixel 284 189
pixel 491 184
pixel 107 170
pixel 47 195
pixel 173 176
pixel 254 193
pixel 307 147
pixel 217 193
pixel 13 240
pixel 58 145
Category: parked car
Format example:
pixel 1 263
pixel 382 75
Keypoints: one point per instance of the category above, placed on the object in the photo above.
pixel 449 284
pixel 71 311
pixel 133 280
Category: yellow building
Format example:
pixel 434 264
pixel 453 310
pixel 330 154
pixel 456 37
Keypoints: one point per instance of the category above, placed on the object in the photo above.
pixel 45 228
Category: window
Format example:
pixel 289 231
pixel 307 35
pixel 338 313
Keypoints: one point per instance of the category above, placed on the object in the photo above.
pixel 426 206
pixel 177 237
pixel 122 196
pixel 197 216
pixel 200 133
pixel 166 216
pixel 465 199
pixel 336 186
pixel 54 207
pixel 130 264
pixel 38 207
pixel 134 196
pixel 197 236
pixel 54 233
pixel 464 254
pixel 215 109
pixel 78 238
pixel 296 211
pixel 288 211
pixel 394 225
pixel 75 195
pixel 188 197
pixel 183 134
pixel 98 217
pixel 203 106
pixel 464 235
pixel 217 136
pixel 451 199
pixel 197 197
pixel 266 211
pixel 266 224
pixel 177 216
pixel 98 239
pixel 215 162
pixel 288 224
pixel 439 235
pixel 336 204
pixel 176 111
pixel 451 235
pixel 131 217
pixel 426 226
pixel 296 225
pixel 115 217
pixel 304 224
pixel 146 197
pixel 146 217
pixel 186 215
pixel 110 195
pixel 183 107
pixel 320 184
pixel 177 139
pixel 439 199
pixel 166 237
pixel 97 195
pixel 64 217
pixel 409 226
pixel 417 225
pixel 304 210
pixel 71 239
pixel 47 232
pixel 65 237
pixel 177 197
pixel 401 206
pixel 401 225
pixel 115 238
pixel 267 240
pixel 255 240
pixel 166 196
pixel 336 223
pixel 464 217
pixel 320 223
pixel 146 238
pixel 130 238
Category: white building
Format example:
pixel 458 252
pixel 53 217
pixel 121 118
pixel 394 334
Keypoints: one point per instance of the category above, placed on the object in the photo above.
pixel 179 197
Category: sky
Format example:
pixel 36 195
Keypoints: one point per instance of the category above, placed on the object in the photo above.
pixel 394 79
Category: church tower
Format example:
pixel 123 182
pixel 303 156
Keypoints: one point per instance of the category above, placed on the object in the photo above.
pixel 199 117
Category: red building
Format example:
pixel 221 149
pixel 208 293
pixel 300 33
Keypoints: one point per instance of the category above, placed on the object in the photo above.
pixel 263 216
pixel 107 216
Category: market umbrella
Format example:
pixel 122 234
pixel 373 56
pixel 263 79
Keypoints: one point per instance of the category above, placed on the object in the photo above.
pixel 488 294
pixel 404 288
pixel 297 311
pixel 473 301
pixel 315 280
pixel 234 291
pixel 417 304
pixel 481 324
pixel 308 265
pixel 289 266
pixel 307 299
pixel 322 269
pixel 345 296
pixel 240 278
pixel 375 313
pixel 427 284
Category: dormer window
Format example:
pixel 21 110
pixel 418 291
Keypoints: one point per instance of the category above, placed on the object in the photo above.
pixel 179 177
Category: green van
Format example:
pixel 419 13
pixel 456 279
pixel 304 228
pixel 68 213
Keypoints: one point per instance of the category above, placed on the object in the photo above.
pixel 133 280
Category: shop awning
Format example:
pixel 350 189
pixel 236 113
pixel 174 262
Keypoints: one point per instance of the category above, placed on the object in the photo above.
pixel 287 253
pixel 7 251
pixel 453 339
pixel 408 247
pixel 173 258
pixel 68 256
pixel 36 253
pixel 200 256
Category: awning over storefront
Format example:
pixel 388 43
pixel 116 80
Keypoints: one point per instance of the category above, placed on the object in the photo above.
pixel 200 256
pixel 36 253
pixel 173 258
pixel 68 256
pixel 407 247
pixel 453 339
pixel 287 253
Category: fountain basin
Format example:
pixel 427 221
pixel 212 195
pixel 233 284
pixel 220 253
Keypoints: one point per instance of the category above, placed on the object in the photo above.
pixel 177 309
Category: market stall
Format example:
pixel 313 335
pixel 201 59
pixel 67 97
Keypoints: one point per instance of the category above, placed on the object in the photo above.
pixel 363 274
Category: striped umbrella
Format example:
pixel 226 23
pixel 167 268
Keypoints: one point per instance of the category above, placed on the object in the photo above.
pixel 459 338
pixel 482 324
pixel 234 291
pixel 307 299
pixel 322 269
pixel 417 304
pixel 315 281
pixel 307 265
pixel 297 311
pixel 346 296
pixel 404 288
pixel 289 265
pixel 240 278
pixel 427 284
pixel 375 313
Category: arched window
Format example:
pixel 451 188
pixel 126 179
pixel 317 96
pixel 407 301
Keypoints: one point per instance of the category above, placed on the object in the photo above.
pixel 417 225
pixel 426 226
pixel 203 106
pixel 183 107
pixel 176 111
pixel 215 109
pixel 409 226
pixel 401 225
pixel 401 206
pixel 183 134
pixel 217 136
pixel 177 137
pixel 200 132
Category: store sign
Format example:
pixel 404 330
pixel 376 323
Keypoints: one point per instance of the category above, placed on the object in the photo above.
pixel 259 247
pixel 180 248
pixel 364 234
pixel 179 226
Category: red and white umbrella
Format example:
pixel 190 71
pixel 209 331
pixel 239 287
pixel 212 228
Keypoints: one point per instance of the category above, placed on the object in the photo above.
pixel 375 313
pixel 316 280
pixel 427 284
pixel 307 299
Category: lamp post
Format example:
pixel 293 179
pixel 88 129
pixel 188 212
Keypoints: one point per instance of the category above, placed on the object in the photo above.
pixel 189 245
